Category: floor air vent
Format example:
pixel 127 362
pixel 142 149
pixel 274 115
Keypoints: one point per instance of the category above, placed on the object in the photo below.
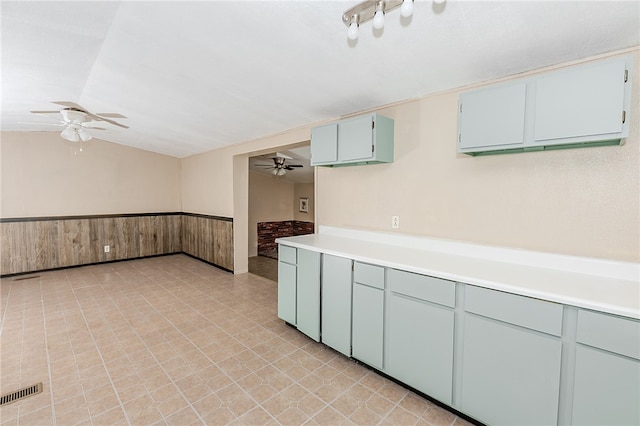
pixel 20 394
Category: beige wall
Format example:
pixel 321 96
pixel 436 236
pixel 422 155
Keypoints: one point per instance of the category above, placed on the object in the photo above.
pixel 304 190
pixel 580 202
pixel 270 199
pixel 44 175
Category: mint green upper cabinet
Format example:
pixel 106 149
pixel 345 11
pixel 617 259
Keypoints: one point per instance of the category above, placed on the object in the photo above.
pixel 324 144
pixel 586 102
pixel 492 117
pixel 585 105
pixel 366 139
pixel 357 139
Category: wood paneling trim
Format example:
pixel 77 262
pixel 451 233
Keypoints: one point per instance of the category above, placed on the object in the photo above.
pixel 36 244
pixel 222 218
pixel 95 216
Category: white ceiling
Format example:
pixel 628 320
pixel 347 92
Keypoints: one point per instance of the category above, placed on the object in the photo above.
pixel 195 76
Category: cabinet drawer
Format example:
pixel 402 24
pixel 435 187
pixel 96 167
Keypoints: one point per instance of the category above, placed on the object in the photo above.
pixel 287 254
pixel 608 332
pixel 423 287
pixel 370 275
pixel 519 310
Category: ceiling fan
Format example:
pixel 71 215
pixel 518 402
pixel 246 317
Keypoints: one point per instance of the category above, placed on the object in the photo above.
pixel 76 119
pixel 280 165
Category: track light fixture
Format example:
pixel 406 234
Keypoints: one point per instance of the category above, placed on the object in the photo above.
pixel 375 10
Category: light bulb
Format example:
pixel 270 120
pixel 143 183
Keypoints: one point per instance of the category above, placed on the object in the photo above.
pixel 274 172
pixel 378 19
pixel 406 9
pixel 438 1
pixel 352 32
pixel 281 172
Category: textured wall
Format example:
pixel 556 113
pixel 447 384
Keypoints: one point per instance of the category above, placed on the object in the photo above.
pixel 45 175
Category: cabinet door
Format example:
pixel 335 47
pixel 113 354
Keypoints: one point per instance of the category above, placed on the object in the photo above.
pixel 492 117
pixel 287 292
pixel 420 346
pixel 368 324
pixel 580 102
pixel 336 303
pixel 308 293
pixel 355 139
pixel 606 389
pixel 324 144
pixel 510 375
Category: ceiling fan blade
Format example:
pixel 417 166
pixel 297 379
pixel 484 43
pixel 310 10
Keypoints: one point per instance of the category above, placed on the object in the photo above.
pixel 89 113
pixel 93 128
pixel 43 124
pixel 110 114
pixel 44 112
pixel 70 105
pixel 295 165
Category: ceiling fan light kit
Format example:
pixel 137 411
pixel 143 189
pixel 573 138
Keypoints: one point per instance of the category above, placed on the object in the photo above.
pixel 75 118
pixel 280 165
pixel 75 134
pixel 375 10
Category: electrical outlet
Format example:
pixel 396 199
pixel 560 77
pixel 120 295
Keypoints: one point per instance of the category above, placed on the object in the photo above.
pixel 107 249
pixel 395 222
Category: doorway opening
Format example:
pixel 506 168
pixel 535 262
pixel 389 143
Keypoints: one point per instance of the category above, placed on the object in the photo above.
pixel 281 203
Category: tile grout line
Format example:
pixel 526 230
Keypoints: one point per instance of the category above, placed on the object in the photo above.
pixel 189 403
pixel 5 309
pixel 200 350
pixel 326 404
pixel 46 345
pixel 104 365
pixel 258 404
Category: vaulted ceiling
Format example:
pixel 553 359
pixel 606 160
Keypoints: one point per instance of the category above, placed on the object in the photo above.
pixel 195 76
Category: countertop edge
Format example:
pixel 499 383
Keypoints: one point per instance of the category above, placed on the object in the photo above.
pixel 576 299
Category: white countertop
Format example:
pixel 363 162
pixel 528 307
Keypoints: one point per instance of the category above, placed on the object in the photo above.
pixel 610 291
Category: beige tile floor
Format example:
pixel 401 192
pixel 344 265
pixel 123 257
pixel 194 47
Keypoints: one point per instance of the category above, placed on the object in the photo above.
pixel 172 340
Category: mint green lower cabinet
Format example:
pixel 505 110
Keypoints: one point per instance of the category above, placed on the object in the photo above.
pixel 510 375
pixel 368 325
pixel 308 293
pixel 287 292
pixel 607 370
pixel 336 303
pixel 607 388
pixel 420 346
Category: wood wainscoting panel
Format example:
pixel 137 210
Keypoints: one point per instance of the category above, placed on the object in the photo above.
pixel 223 242
pixel 73 242
pixel 36 244
pixel 13 254
pixel 39 253
pixel 208 238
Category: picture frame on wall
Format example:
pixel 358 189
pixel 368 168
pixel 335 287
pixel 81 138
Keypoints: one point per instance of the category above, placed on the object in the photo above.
pixel 304 205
